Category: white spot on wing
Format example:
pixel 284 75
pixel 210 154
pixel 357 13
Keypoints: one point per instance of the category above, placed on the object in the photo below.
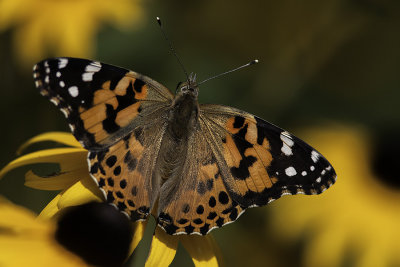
pixel 54 101
pixel 314 156
pixel 58 74
pixel 290 171
pixel 312 168
pixel 93 67
pixel 303 173
pixel 65 112
pixel 287 143
pixel 46 79
pixel 72 127
pixel 62 63
pixel 73 91
pixel 87 76
pixel 318 180
pixel 90 70
pixel 62 84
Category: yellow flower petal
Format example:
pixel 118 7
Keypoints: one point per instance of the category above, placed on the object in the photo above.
pixel 56 182
pixel 163 249
pixel 26 241
pixel 80 193
pixel 59 137
pixel 203 250
pixel 333 241
pixel 138 232
pixel 75 157
pixel 51 209
pixel 48 28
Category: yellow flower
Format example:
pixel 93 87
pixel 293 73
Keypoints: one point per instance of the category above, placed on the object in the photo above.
pixel 77 187
pixel 26 241
pixel 362 215
pixel 63 27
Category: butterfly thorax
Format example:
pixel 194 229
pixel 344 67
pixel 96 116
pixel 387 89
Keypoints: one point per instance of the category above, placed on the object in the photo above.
pixel 184 111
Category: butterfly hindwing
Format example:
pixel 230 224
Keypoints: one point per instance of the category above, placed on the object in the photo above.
pixel 99 100
pixel 200 201
pixel 122 171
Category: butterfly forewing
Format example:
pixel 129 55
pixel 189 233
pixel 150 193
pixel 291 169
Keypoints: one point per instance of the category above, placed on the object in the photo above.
pixel 100 101
pixel 264 161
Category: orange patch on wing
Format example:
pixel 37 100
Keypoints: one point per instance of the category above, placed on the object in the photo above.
pixel 142 94
pixel 93 116
pixel 136 148
pixel 99 132
pixel 105 96
pixel 229 126
pixel 122 85
pixel 251 135
pixel 127 114
pixel 106 85
pixel 209 170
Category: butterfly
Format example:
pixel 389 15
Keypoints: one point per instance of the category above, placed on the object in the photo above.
pixel 196 166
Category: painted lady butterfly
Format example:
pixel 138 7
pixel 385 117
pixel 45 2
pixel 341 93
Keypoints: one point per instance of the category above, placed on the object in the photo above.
pixel 201 165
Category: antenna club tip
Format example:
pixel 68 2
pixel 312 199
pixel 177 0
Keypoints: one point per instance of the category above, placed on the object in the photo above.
pixel 158 20
pixel 255 61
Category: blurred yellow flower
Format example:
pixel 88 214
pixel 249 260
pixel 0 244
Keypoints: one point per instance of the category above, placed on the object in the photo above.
pixel 26 241
pixel 62 27
pixel 77 187
pixel 362 215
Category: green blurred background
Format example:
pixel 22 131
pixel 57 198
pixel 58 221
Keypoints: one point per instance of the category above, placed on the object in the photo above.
pixel 321 63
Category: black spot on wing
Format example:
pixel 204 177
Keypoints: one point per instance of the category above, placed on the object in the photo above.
pixel 111 161
pixel 223 197
pixel 130 161
pixel 138 84
pixel 238 122
pixel 182 221
pixel 109 124
pixel 134 190
pixel 186 208
pixel 117 170
pixel 212 215
pixel 127 99
pixel 200 209
pixel 204 229
pixel 123 183
pixel 138 132
pixel 201 188
pixel 189 229
pixel 242 171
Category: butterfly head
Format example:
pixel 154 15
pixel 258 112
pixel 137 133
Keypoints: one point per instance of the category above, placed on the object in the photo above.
pixel 189 87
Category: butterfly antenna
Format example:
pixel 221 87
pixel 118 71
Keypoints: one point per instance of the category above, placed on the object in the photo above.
pixel 171 47
pixel 255 61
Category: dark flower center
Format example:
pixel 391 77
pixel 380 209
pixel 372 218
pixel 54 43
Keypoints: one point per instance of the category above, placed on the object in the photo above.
pixel 385 158
pixel 97 232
